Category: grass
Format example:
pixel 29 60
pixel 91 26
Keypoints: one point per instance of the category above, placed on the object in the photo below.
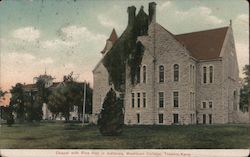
pixel 61 135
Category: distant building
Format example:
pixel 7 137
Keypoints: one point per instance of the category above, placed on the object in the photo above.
pixel 47 115
pixel 190 78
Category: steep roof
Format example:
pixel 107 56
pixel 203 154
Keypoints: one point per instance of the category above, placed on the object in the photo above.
pixel 113 37
pixel 205 44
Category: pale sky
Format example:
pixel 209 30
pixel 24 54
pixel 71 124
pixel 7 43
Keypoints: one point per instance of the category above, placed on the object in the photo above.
pixel 68 35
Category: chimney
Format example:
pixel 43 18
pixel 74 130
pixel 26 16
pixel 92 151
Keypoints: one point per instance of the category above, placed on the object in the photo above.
pixel 131 15
pixel 152 12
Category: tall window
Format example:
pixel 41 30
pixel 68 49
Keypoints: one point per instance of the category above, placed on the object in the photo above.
pixel 138 118
pixel 161 73
pixel 160 118
pixel 176 72
pixel 204 119
pixel 193 75
pixel 210 103
pixel 211 73
pixel 144 99
pixel 204 104
pixel 133 100
pixel 161 99
pixel 204 74
pixel 210 118
pixel 138 100
pixel 190 73
pixel 138 75
pixel 176 118
pixel 176 99
pixel 191 100
pixel 144 74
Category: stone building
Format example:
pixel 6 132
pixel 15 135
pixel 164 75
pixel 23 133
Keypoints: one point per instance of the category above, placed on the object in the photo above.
pixel 166 78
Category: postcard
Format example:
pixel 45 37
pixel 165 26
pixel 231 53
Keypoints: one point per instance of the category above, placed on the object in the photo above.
pixel 124 78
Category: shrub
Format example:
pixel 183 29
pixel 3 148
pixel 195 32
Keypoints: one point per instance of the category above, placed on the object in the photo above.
pixel 111 118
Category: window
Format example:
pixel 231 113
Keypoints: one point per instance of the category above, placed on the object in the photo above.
pixel 138 118
pixel 191 100
pixel 161 99
pixel 138 100
pixel 176 72
pixel 160 118
pixel 204 104
pixel 133 100
pixel 191 118
pixel 190 73
pixel 144 99
pixel 204 119
pixel 210 118
pixel 176 99
pixel 144 74
pixel 161 73
pixel 210 103
pixel 193 75
pixel 175 116
pixel 211 74
pixel 204 74
pixel 138 75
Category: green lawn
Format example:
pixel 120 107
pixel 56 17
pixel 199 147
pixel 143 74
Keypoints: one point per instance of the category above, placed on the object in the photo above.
pixel 61 135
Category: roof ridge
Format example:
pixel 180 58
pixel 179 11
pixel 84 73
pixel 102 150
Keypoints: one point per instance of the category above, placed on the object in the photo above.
pixel 203 30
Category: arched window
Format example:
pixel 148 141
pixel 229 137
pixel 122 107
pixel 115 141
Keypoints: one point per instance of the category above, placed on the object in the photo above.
pixel 176 72
pixel 204 74
pixel 144 74
pixel 161 73
pixel 211 73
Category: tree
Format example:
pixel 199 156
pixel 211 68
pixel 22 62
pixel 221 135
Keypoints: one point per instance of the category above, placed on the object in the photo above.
pixel 64 98
pixel 9 116
pixel 245 91
pixel 17 101
pixel 33 107
pixel 111 118
pixel 2 93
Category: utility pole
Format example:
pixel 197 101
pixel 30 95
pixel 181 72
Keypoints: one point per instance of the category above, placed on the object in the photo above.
pixel 84 103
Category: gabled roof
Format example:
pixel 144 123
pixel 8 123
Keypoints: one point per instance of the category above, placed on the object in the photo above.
pixel 113 37
pixel 204 45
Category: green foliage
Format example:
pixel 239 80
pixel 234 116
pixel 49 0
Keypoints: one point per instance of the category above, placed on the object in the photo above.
pixel 6 114
pixel 17 100
pixel 28 105
pixel 33 108
pixel 111 117
pixel 64 98
pixel 127 50
pixel 244 94
pixel 2 93
pixel 246 71
pixel 245 91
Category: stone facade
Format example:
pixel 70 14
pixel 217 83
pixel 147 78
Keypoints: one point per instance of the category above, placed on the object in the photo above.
pixel 172 89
